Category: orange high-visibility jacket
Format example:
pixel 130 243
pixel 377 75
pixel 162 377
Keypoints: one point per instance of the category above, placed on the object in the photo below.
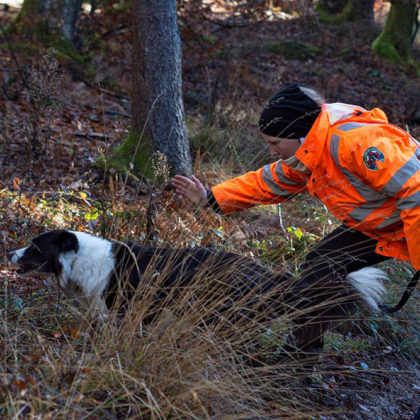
pixel 364 169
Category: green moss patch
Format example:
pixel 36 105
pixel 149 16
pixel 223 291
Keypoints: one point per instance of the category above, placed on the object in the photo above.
pixel 131 157
pixel 293 50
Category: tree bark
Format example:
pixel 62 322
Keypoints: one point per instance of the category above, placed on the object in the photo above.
pixel 394 42
pixel 360 10
pixel 331 6
pixel 70 12
pixel 52 15
pixel 353 10
pixel 158 108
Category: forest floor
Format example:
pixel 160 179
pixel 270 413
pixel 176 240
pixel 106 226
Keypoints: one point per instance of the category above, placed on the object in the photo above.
pixel 230 69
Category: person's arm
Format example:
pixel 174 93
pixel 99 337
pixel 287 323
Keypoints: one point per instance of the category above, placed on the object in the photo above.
pixel 271 184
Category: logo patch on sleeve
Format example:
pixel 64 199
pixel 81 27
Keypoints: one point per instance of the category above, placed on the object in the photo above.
pixel 371 156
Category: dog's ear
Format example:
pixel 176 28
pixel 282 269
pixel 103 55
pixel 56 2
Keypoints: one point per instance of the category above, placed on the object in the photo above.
pixel 65 242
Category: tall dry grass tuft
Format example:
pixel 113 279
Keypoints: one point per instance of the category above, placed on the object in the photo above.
pixel 189 360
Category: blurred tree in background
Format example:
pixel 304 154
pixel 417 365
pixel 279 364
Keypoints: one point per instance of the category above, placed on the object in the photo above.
pixel 345 11
pixel 49 18
pixel 395 41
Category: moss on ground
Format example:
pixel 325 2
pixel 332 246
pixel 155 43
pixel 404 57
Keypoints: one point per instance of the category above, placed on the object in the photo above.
pixel 132 157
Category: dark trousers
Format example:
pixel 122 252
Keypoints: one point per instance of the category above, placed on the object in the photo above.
pixel 341 252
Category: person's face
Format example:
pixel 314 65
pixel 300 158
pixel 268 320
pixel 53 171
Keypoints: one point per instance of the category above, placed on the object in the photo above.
pixel 281 148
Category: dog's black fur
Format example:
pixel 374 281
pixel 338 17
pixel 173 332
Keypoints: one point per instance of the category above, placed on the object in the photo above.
pixel 221 276
pixel 106 275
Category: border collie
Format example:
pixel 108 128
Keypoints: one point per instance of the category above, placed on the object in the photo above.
pixel 106 275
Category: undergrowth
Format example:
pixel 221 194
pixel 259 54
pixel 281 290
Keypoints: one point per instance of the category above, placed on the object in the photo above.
pixel 57 364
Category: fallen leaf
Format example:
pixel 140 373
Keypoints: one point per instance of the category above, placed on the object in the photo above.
pixel 16 182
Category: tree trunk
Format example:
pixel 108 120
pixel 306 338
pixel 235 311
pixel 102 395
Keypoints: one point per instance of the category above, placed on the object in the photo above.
pixel 332 6
pixel 158 108
pixel 359 10
pixel 48 16
pixel 353 10
pixel 394 42
pixel 70 12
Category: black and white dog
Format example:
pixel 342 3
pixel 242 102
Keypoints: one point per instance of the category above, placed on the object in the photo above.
pixel 106 275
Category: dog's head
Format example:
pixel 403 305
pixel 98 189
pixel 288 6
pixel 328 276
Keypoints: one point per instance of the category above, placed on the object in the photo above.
pixel 42 255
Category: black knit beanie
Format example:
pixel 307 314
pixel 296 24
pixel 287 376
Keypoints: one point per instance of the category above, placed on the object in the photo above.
pixel 290 113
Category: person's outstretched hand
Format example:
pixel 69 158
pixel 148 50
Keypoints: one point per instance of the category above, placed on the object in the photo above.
pixel 191 189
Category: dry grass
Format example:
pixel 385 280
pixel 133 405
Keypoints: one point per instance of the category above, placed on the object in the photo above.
pixel 56 364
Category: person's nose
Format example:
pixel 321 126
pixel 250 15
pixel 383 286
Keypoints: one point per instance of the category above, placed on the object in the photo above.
pixel 273 152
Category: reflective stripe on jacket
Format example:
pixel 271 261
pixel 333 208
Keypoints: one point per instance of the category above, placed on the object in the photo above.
pixel 365 170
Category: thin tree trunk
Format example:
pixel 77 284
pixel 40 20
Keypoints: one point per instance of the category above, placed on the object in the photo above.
pixel 331 6
pixel 60 15
pixel 158 109
pixel 360 10
pixel 70 13
pixel 353 10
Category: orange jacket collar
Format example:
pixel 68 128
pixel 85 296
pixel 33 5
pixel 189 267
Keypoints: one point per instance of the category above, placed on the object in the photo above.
pixel 311 151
